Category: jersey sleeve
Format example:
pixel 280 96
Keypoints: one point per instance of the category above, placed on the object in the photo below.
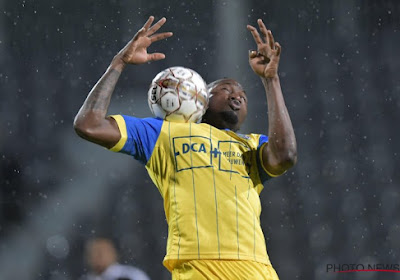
pixel 138 136
pixel 262 171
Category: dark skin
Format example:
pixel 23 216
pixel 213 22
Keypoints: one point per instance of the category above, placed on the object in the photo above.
pixel 227 107
pixel 91 122
pixel 281 152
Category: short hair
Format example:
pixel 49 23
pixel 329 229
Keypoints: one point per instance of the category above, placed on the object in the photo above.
pixel 211 85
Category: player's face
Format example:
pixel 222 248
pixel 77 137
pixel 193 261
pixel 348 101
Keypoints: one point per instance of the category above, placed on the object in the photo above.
pixel 100 255
pixel 227 107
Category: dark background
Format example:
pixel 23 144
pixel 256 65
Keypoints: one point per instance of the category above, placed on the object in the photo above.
pixel 340 76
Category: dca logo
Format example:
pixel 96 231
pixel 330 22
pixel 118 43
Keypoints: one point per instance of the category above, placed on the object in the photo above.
pixel 194 147
pixel 185 146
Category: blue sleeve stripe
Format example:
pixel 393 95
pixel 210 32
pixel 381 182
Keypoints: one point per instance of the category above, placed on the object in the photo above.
pixel 263 138
pixel 262 171
pixel 142 135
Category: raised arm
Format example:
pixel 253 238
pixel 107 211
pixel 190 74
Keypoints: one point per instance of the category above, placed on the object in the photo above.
pixel 281 151
pixel 91 122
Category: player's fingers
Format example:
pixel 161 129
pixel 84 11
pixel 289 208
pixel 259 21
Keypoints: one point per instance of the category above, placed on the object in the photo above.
pixel 263 28
pixel 256 60
pixel 255 34
pixel 270 39
pixel 157 26
pixel 140 33
pixel 252 54
pixel 156 56
pixel 160 36
pixel 278 48
pixel 148 23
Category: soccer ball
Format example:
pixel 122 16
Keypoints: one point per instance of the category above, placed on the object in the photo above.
pixel 178 94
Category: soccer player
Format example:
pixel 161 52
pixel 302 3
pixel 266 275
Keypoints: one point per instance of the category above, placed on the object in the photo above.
pixel 209 176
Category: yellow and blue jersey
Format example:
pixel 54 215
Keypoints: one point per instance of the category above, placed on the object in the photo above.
pixel 210 180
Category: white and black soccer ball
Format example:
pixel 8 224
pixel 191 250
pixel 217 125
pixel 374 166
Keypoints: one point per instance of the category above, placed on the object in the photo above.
pixel 178 94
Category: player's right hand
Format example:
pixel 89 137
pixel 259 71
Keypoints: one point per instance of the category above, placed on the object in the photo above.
pixel 135 52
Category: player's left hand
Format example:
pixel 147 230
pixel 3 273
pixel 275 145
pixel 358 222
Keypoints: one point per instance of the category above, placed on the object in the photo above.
pixel 265 60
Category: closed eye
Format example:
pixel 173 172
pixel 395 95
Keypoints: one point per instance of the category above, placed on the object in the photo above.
pixel 227 90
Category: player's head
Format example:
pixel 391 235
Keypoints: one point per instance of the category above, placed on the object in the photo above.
pixel 100 253
pixel 227 107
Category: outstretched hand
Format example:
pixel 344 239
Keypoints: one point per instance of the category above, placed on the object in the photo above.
pixel 135 52
pixel 265 60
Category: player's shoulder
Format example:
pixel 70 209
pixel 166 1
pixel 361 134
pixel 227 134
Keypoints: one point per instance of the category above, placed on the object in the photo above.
pixel 151 120
pixel 249 136
pixel 132 121
pixel 245 136
pixel 253 139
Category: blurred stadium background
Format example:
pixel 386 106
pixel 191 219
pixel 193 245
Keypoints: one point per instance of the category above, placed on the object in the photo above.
pixel 340 76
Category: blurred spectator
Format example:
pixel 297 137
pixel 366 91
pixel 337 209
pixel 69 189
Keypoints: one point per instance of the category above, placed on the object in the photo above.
pixel 101 256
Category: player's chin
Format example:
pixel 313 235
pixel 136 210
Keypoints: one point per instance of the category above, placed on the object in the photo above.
pixel 230 117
